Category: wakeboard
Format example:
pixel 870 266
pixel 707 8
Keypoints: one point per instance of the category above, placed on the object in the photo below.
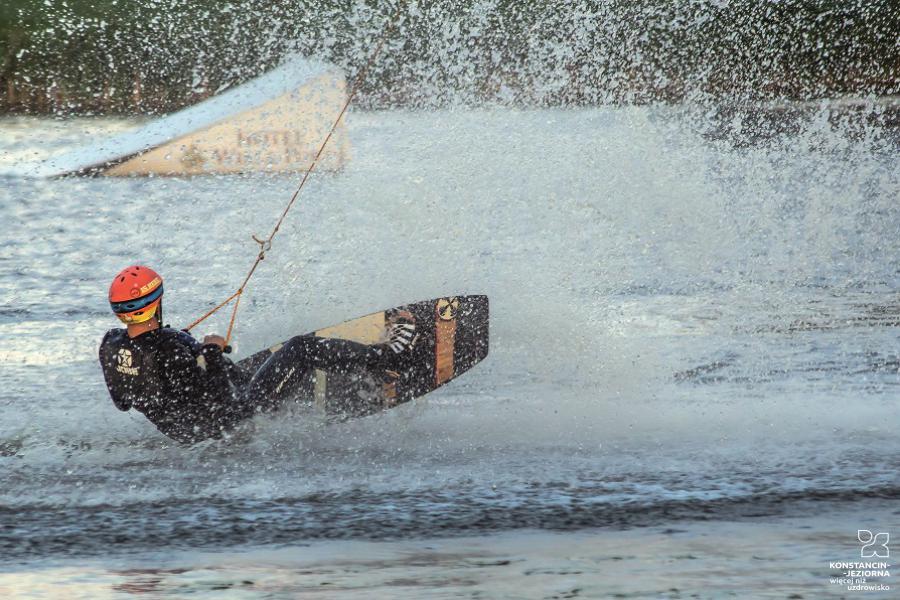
pixel 451 336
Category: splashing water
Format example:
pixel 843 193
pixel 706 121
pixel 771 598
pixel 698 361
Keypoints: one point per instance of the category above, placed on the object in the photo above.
pixel 675 319
pixel 694 310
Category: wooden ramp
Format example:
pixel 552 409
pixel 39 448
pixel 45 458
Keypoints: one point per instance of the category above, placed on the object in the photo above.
pixel 274 123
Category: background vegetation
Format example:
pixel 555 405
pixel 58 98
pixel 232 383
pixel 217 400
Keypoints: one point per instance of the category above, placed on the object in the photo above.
pixel 130 56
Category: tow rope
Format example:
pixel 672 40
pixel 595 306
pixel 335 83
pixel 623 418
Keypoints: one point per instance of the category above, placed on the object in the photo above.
pixel 266 244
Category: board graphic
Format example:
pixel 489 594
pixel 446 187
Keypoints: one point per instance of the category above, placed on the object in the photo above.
pixel 452 335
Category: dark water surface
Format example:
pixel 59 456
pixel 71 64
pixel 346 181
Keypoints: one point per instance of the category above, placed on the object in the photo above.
pixel 682 329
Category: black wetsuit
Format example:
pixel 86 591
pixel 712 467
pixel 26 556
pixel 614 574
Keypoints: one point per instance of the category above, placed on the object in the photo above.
pixel 192 391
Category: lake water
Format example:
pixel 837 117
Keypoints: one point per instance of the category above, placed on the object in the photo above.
pixel 694 337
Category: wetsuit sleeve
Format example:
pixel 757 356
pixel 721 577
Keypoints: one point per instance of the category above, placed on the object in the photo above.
pixel 121 403
pixel 215 360
pixel 106 363
pixel 196 372
pixel 217 363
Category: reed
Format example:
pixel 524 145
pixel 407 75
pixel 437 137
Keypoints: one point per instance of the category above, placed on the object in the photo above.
pixel 139 57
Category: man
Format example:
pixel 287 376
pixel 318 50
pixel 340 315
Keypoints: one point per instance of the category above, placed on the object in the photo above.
pixel 189 389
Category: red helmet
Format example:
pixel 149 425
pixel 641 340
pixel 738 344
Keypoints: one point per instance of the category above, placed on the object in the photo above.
pixel 135 294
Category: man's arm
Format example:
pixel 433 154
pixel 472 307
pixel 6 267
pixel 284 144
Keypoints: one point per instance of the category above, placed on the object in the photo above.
pixel 199 371
pixel 119 399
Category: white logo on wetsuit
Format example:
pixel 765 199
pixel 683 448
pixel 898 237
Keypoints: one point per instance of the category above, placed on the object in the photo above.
pixel 124 361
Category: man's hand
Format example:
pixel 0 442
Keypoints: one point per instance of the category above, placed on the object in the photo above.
pixel 218 340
